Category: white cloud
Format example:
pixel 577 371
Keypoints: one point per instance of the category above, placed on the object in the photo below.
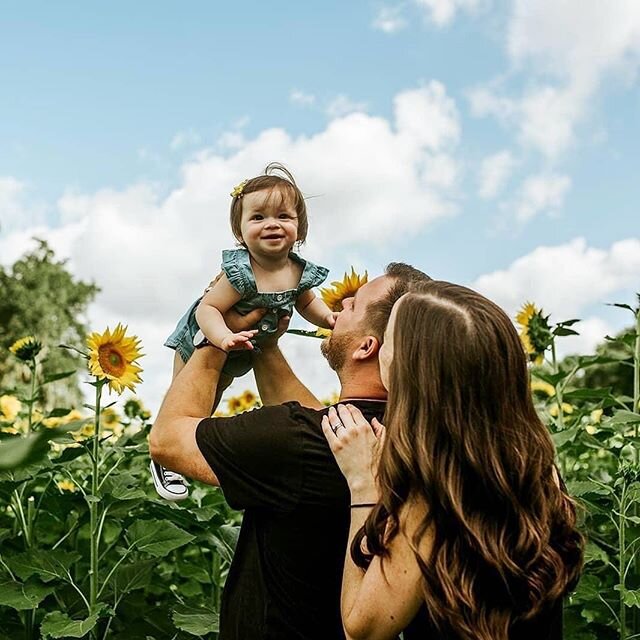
pixel 540 194
pixel 17 210
pixel 566 279
pixel 182 139
pixel 495 170
pixel 592 331
pixel 301 97
pixel 342 105
pixel 389 19
pixel 442 12
pixel 575 40
pixel 566 49
pixel 372 183
pixel 428 115
pixel 231 140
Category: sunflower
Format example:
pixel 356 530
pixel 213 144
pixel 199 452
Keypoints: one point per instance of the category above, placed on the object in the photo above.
pixel 340 290
pixel 566 409
pixel 249 399
pixel 235 405
pixel 9 408
pixel 535 332
pixel 543 387
pixel 26 348
pixel 66 485
pixel 323 333
pixel 112 357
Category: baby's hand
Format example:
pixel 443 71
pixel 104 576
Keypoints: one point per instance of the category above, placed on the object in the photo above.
pixel 330 319
pixel 238 341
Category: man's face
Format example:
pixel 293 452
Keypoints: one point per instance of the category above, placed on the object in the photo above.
pixel 350 325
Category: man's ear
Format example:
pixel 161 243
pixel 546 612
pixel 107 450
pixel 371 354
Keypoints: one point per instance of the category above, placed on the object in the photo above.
pixel 367 348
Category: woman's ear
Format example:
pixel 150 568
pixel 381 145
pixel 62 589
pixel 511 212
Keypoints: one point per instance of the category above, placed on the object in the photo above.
pixel 368 348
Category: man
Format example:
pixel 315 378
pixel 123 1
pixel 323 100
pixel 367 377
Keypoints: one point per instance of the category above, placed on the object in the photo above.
pixel 275 464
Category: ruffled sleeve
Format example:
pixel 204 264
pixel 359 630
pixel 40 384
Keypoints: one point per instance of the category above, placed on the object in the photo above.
pixel 312 276
pixel 237 267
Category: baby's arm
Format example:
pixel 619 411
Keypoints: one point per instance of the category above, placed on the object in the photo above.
pixel 219 299
pixel 313 309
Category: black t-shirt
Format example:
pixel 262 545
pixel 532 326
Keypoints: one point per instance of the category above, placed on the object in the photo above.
pixel 276 465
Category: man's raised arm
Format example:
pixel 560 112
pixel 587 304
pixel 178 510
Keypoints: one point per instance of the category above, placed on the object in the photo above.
pixel 275 380
pixel 172 441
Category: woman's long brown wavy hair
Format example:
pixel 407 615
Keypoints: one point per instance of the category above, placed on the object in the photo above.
pixel 463 438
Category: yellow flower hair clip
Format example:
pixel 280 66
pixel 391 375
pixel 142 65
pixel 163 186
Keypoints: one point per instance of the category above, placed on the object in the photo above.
pixel 237 191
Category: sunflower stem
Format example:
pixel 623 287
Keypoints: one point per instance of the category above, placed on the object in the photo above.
pixel 94 504
pixel 31 402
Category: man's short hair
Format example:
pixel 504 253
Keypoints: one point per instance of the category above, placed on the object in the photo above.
pixel 406 278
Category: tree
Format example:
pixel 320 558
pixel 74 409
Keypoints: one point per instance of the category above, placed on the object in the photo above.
pixel 39 296
pixel 617 375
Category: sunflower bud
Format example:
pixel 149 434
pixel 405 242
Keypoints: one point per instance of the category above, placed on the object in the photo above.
pixel 535 332
pixel 26 349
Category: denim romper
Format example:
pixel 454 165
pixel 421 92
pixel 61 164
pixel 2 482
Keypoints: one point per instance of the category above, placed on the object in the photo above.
pixel 236 265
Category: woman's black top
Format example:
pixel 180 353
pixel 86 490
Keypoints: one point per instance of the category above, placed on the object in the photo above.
pixel 546 626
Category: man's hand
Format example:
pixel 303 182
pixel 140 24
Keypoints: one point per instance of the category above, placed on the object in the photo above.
pixel 237 322
pixel 270 341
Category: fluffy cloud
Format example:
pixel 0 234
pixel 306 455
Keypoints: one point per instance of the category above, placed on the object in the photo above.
pixel 442 12
pixel 301 97
pixel 371 183
pixel 182 139
pixel 389 19
pixel 494 172
pixel 540 194
pixel 566 279
pixel 16 208
pixel 567 48
pixel 342 105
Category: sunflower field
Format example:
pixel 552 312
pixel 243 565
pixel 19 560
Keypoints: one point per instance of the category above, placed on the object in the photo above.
pixel 88 549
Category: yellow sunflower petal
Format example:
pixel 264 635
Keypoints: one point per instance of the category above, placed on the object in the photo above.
pixel 345 288
pixel 526 313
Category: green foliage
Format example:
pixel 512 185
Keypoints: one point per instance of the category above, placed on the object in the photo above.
pixel 593 415
pixel 38 296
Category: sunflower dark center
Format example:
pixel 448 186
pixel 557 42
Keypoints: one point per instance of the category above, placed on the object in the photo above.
pixel 111 360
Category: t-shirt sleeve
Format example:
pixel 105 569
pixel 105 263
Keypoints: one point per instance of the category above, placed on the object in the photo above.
pixel 256 456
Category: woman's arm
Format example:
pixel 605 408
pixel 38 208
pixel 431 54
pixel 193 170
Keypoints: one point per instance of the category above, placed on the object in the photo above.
pixel 379 603
pixel 376 604
pixel 314 310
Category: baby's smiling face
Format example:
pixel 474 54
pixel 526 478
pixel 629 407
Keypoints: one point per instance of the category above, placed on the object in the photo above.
pixel 269 223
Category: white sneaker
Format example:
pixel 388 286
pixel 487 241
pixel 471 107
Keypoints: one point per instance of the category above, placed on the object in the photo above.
pixel 170 485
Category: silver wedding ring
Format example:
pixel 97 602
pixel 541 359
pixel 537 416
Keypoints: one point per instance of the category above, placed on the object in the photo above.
pixel 335 427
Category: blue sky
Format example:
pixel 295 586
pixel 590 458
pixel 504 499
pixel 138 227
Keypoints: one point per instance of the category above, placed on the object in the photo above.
pixel 489 143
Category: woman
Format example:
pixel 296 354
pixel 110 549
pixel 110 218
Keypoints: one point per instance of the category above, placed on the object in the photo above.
pixel 464 532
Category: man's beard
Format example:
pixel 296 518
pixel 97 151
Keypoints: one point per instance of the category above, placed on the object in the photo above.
pixel 336 349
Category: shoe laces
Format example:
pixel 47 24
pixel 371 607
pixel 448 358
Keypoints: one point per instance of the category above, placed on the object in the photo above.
pixel 171 476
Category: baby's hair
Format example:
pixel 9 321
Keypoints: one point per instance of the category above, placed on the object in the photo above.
pixel 276 178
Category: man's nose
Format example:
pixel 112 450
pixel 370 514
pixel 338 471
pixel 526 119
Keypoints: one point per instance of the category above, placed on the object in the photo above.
pixel 347 302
